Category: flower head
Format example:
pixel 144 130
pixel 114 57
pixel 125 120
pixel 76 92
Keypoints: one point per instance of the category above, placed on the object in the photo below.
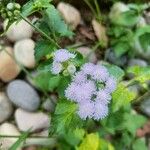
pixel 63 55
pixel 111 84
pixel 91 88
pixel 56 68
pixel 86 110
pixel 100 110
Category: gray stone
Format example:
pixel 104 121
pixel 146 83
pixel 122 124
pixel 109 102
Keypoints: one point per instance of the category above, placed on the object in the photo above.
pixel 87 53
pixel 137 62
pixel 112 58
pixel 29 120
pixel 6 108
pixel 145 106
pixel 48 105
pixel 23 95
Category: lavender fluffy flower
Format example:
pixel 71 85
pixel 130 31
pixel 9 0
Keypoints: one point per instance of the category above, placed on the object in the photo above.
pixel 103 97
pixel 80 77
pixel 88 68
pixel 80 92
pixel 63 55
pixel 85 90
pixel 56 68
pixel 86 110
pixel 111 84
pixel 100 73
pixel 100 111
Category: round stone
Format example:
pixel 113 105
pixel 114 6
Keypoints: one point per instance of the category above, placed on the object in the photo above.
pixel 70 14
pixel 24 52
pixel 29 120
pixel 23 95
pixel 6 108
pixel 18 31
pixel 8 67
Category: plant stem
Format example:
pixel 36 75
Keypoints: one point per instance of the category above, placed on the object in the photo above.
pixel 41 32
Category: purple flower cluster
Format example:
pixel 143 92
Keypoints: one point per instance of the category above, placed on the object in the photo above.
pixel 60 56
pixel 91 88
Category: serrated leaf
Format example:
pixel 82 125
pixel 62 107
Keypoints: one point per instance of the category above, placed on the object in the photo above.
pixel 65 117
pixel 55 22
pixel 122 96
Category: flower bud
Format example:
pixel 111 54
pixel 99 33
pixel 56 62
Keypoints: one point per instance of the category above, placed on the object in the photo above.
pixel 71 69
pixel 65 73
pixel 10 6
pixel 17 6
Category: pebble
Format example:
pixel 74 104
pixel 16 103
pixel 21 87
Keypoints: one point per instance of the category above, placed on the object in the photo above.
pixel 6 108
pixel 48 105
pixel 112 58
pixel 137 62
pixel 8 67
pixel 18 31
pixel 10 130
pixel 145 106
pixel 87 52
pixel 70 14
pixel 24 52
pixel 100 32
pixel 145 53
pixel 23 95
pixel 29 120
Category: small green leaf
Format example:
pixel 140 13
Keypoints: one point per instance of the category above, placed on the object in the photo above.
pixel 55 22
pixel 121 97
pixel 65 117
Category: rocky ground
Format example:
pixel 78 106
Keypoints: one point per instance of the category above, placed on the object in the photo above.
pixel 21 103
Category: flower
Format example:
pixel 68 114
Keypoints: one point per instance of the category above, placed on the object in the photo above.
pixel 56 68
pixel 91 88
pixel 103 96
pixel 100 73
pixel 63 55
pixel 80 92
pixel 88 68
pixel 86 110
pixel 111 84
pixel 100 110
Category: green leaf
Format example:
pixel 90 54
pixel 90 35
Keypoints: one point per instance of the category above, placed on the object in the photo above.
pixel 33 6
pixel 46 81
pixel 90 142
pixel 74 137
pixel 121 48
pixel 115 71
pixel 131 126
pixel 54 82
pixel 65 117
pixel 42 48
pixel 21 139
pixel 128 18
pixel 121 97
pixel 55 22
pixel 139 144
